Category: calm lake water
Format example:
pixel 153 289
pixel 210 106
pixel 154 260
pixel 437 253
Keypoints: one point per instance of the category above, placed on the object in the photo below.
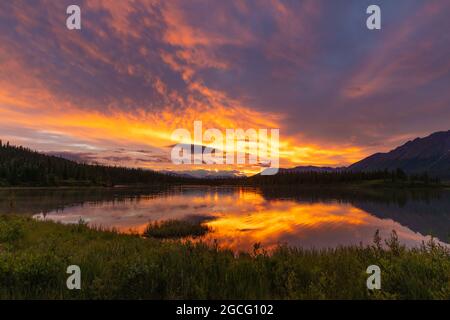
pixel 240 217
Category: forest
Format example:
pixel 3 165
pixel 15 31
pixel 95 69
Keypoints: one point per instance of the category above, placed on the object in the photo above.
pixel 24 167
pixel 20 166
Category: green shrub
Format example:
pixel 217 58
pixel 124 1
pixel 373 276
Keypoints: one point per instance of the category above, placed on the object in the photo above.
pixel 117 266
pixel 10 231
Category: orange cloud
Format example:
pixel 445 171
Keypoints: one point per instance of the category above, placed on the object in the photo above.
pixel 30 97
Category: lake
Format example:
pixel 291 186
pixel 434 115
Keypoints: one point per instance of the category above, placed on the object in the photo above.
pixel 241 216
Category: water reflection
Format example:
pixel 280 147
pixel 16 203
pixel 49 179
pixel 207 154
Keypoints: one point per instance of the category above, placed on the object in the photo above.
pixel 241 217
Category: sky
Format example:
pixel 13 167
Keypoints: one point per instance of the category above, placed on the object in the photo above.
pixel 114 91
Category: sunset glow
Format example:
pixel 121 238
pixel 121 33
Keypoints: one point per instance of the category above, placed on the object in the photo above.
pixel 239 218
pixel 114 91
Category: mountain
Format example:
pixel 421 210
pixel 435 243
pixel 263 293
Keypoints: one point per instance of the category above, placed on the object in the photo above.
pixel 301 169
pixel 23 167
pixel 204 174
pixel 430 154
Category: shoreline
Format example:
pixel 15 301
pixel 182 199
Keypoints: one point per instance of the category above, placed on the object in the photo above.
pixel 34 256
pixel 364 185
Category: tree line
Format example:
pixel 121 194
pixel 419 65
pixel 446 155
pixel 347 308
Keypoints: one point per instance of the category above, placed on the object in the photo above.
pixel 343 176
pixel 21 166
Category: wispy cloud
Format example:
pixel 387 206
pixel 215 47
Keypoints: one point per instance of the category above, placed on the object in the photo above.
pixel 139 69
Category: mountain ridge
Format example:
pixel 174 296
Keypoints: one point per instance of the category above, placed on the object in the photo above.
pixel 430 154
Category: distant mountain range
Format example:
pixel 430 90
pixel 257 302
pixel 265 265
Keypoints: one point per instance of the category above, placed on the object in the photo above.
pixel 430 154
pixel 301 169
pixel 204 174
pixel 21 166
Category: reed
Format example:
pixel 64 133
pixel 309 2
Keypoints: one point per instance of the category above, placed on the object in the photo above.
pixel 34 256
pixel 173 229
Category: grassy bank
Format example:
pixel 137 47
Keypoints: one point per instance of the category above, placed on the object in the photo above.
pixel 175 229
pixel 34 256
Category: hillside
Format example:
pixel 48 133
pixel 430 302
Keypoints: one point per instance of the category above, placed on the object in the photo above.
pixel 20 166
pixel 430 154
pixel 302 169
pixel 23 167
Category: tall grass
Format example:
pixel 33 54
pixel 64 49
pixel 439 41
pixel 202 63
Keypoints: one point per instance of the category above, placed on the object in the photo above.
pixel 34 256
pixel 172 229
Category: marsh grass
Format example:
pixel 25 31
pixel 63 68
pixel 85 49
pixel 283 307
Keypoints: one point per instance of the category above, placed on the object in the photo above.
pixel 175 229
pixel 34 256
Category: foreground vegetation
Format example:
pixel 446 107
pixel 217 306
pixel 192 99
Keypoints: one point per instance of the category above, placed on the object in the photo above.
pixel 174 229
pixel 34 256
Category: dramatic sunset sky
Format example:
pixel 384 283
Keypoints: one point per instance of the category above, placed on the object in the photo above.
pixel 114 91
